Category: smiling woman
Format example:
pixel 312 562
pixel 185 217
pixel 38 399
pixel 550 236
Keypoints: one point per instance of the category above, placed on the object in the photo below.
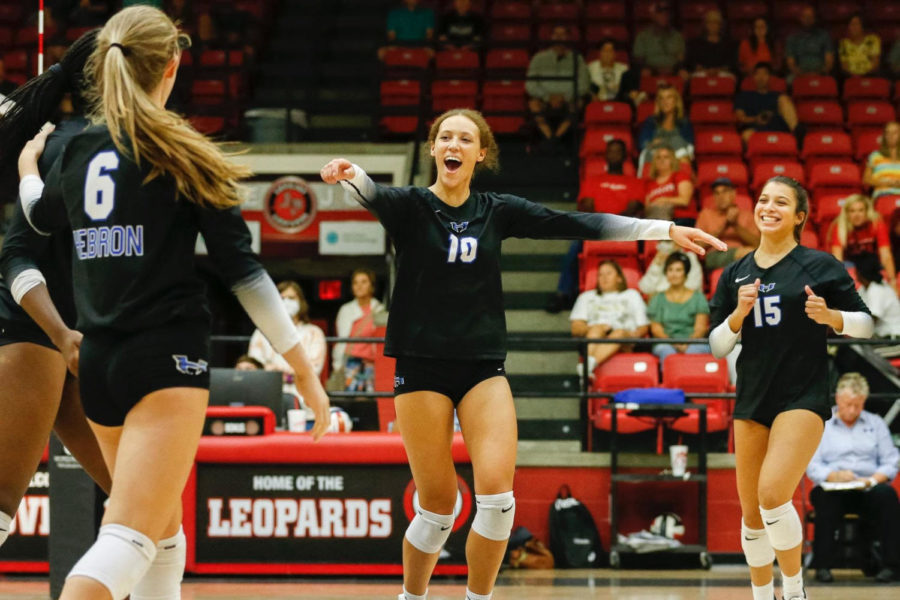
pixel 447 330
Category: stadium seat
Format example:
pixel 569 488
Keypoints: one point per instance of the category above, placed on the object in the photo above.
pixel 835 175
pixel 747 10
pixel 870 113
pixel 605 11
pixel 883 12
pixel 717 143
pixel 511 10
pixel 595 139
pixel 820 113
pixel 714 277
pixel 505 124
pixel 545 32
pixel 406 59
pixel 809 238
pixel 208 124
pixel 595 166
pixel 207 92
pixel 505 32
pixel 764 170
pixel 708 170
pixel 503 96
pixel 699 373
pixel 787 12
pixel 705 113
pixel 712 86
pixel 776 84
pixel 503 62
pixel 827 143
pixel 558 12
pixel 765 145
pixel 837 11
pixel 401 92
pixel 650 83
pixel 453 93
pixel 609 249
pixel 11 13
pixel 695 10
pixel 806 87
pixel 627 370
pixel 16 61
pixel 865 141
pixel 399 125
pixel 459 63
pixel 886 205
pixel 644 111
pixel 828 207
pixel 594 33
pixel 607 113
pixel 867 88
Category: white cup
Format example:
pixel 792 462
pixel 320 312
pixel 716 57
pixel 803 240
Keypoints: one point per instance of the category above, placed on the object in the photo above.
pixel 678 455
pixel 296 420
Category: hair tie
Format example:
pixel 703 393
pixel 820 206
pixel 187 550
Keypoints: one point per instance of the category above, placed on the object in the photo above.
pixel 125 51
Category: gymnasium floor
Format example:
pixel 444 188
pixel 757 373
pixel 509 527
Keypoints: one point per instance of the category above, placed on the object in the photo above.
pixel 721 583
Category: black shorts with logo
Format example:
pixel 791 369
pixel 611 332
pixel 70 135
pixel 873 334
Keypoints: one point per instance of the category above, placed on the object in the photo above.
pixel 117 370
pixel 452 378
pixel 764 413
pixel 18 332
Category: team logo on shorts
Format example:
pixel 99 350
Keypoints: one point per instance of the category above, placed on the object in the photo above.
pixel 189 367
pixel 398 381
pixel 289 205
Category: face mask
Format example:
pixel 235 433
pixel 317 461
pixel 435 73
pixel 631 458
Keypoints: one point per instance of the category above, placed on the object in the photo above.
pixel 292 306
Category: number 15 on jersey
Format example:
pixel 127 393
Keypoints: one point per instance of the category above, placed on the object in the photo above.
pixel 767 309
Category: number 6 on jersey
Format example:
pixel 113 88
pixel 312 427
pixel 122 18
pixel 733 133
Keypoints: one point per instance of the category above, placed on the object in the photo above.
pixel 466 248
pixel 99 187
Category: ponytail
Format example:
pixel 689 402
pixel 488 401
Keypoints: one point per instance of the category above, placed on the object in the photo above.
pixel 134 49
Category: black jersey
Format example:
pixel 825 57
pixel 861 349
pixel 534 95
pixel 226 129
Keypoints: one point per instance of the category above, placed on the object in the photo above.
pixel 447 299
pixel 133 241
pixel 24 248
pixel 783 355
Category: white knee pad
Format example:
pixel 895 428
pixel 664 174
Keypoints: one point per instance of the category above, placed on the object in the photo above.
pixel 5 523
pixel 494 515
pixel 429 531
pixel 162 581
pixel 756 546
pixel 783 526
pixel 117 560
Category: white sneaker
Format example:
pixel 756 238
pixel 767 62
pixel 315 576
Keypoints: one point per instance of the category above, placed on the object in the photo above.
pixel 800 596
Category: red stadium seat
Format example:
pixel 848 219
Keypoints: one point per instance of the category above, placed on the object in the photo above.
pixel 605 11
pixel 644 111
pixel 709 170
pixel 868 88
pixel 714 277
pixel 594 33
pixel 558 12
pixel 718 143
pixel 595 139
pixel 865 141
pixel 402 92
pixel 828 207
pixel 770 144
pixel 870 113
pixel 511 10
pixel 764 170
pixel 545 31
pixel 837 11
pixel 407 58
pixel 747 10
pixel 400 125
pixel 607 113
pixel 651 83
pixel 510 32
pixel 835 175
pixel 627 370
pixel 711 112
pixel 809 238
pixel 16 61
pixel 6 37
pixel 505 125
pixel 453 93
pixel 208 125
pixel 712 86
pixel 820 113
pixel 886 205
pixel 506 60
pixel 881 12
pixel 695 10
pixel 827 143
pixel 609 249
pixel 456 61
pixel 11 13
pixel 595 166
pixel 501 96
pixel 814 86
pixel 787 12
pixel 776 84
pixel 699 373
pixel 208 92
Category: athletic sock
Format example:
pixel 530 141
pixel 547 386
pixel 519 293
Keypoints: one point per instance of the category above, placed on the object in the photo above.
pixel 792 585
pixel 410 596
pixel 470 595
pixel 764 592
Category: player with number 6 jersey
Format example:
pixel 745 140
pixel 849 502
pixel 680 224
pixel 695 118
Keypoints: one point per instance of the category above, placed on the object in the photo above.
pixel 780 300
pixel 447 329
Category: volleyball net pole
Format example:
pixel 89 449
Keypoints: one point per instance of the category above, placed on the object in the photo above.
pixel 40 57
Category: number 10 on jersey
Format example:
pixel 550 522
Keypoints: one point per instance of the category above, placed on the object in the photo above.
pixel 767 308
pixel 463 248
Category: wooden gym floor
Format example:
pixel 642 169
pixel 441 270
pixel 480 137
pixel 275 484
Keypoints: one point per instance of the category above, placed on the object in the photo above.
pixel 726 582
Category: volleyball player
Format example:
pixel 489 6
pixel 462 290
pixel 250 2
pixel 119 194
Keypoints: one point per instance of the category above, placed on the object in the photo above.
pixel 447 329
pixel 780 300
pixel 135 190
pixel 36 394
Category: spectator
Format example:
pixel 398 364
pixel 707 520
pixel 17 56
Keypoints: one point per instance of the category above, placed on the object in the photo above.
pixel 764 110
pixel 6 86
pixel 725 220
pixel 461 27
pixel 409 25
pixel 611 192
pixel 856 447
pixel 881 299
pixel 248 363
pixel 667 187
pixel 860 52
pixel 858 231
pixel 606 73
pixel 659 49
pixel 655 280
pixel 312 338
pixel 610 311
pixel 713 52
pixel 882 172
pixel 355 363
pixel 758 48
pixel 809 50
pixel 556 100
pixel 667 125
pixel 679 312
pixel 894 59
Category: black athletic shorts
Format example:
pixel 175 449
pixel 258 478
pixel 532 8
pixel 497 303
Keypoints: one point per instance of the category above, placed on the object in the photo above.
pixel 452 378
pixel 764 413
pixel 117 370
pixel 16 332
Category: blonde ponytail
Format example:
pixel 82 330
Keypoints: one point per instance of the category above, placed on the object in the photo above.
pixel 133 51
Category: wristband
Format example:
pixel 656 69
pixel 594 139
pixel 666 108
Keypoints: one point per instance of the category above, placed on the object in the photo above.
pixel 872 482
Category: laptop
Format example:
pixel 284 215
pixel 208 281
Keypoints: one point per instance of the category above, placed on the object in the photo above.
pixel 231 387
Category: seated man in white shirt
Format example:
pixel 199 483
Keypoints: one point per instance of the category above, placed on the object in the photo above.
pixel 856 447
pixel 879 297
